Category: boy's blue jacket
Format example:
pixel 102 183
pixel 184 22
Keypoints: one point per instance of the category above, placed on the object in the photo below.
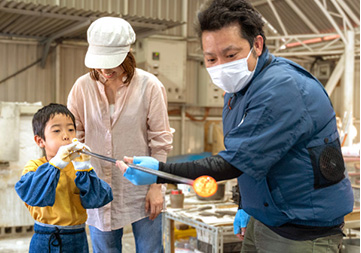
pixel 61 196
pixel 276 133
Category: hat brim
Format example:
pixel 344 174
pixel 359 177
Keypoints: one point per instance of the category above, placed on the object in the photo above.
pixel 94 61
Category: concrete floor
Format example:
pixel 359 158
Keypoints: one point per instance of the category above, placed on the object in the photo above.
pixel 20 243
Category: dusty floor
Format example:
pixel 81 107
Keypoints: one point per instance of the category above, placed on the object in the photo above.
pixel 20 243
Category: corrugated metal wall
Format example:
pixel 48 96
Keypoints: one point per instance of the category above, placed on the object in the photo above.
pixel 162 9
pixel 72 66
pixel 36 83
pixel 33 85
pixel 193 7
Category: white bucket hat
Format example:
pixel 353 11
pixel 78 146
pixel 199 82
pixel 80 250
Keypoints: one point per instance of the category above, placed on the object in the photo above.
pixel 109 41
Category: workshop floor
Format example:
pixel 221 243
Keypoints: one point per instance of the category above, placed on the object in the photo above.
pixel 20 243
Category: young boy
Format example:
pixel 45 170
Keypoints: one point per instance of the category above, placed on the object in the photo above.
pixel 59 187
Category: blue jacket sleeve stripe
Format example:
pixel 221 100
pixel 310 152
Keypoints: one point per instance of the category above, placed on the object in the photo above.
pixel 94 192
pixel 37 188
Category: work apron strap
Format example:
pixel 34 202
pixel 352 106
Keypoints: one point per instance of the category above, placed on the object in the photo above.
pixel 55 239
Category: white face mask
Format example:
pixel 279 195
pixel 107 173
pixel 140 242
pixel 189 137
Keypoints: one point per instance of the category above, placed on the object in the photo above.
pixel 232 76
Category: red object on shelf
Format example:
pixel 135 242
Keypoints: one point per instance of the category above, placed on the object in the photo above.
pixel 176 192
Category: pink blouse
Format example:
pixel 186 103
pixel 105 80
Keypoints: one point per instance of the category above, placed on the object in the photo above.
pixel 138 127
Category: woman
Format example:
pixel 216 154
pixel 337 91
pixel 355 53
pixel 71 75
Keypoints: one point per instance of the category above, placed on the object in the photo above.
pixel 121 110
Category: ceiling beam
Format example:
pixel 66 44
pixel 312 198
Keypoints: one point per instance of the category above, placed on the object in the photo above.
pixel 332 42
pixel 345 18
pixel 305 36
pixel 259 2
pixel 302 16
pixel 349 12
pixel 314 53
pixel 21 36
pixel 146 25
pixel 277 17
pixel 332 21
pixel 41 13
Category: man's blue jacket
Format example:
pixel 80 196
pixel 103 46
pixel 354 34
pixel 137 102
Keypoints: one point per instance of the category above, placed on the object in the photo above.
pixel 280 131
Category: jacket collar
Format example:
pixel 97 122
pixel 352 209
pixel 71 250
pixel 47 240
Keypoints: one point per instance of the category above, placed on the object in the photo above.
pixel 262 60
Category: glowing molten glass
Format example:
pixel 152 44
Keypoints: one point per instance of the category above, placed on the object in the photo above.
pixel 205 186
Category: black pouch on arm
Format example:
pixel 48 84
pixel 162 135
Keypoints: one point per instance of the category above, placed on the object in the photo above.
pixel 328 164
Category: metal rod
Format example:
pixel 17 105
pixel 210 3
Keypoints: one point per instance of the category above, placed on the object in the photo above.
pixel 144 169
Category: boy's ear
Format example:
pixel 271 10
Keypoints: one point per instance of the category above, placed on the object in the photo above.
pixel 39 141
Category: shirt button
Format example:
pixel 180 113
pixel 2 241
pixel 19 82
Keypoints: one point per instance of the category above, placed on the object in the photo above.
pixel 266 204
pixel 326 140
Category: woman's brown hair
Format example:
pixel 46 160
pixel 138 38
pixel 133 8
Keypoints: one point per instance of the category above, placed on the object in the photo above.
pixel 129 65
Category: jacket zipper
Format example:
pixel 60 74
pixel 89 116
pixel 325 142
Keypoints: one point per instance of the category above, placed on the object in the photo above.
pixel 230 108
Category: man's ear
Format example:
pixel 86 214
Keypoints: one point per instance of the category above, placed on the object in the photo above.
pixel 39 141
pixel 258 45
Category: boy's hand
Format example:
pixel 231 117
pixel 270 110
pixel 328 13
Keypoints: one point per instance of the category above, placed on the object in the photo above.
pixel 64 155
pixel 82 157
pixel 82 162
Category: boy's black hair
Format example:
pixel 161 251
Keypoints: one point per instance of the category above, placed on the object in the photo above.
pixel 43 115
pixel 216 14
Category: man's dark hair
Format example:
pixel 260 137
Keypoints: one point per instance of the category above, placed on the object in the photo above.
pixel 216 14
pixel 43 115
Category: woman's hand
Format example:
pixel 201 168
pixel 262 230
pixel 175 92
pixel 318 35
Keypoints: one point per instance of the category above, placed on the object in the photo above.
pixel 122 166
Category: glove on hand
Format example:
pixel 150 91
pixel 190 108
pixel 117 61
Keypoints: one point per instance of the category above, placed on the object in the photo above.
pixel 82 162
pixel 138 177
pixel 240 221
pixel 64 155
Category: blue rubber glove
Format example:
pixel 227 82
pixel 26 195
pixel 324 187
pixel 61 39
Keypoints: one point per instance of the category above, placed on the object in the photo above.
pixel 240 221
pixel 138 177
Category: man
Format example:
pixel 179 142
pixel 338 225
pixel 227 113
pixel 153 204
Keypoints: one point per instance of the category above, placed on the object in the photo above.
pixel 280 137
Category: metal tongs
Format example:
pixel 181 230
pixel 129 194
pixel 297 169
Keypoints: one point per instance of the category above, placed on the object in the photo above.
pixel 144 169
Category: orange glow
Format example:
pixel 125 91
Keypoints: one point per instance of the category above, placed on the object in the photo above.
pixel 205 186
